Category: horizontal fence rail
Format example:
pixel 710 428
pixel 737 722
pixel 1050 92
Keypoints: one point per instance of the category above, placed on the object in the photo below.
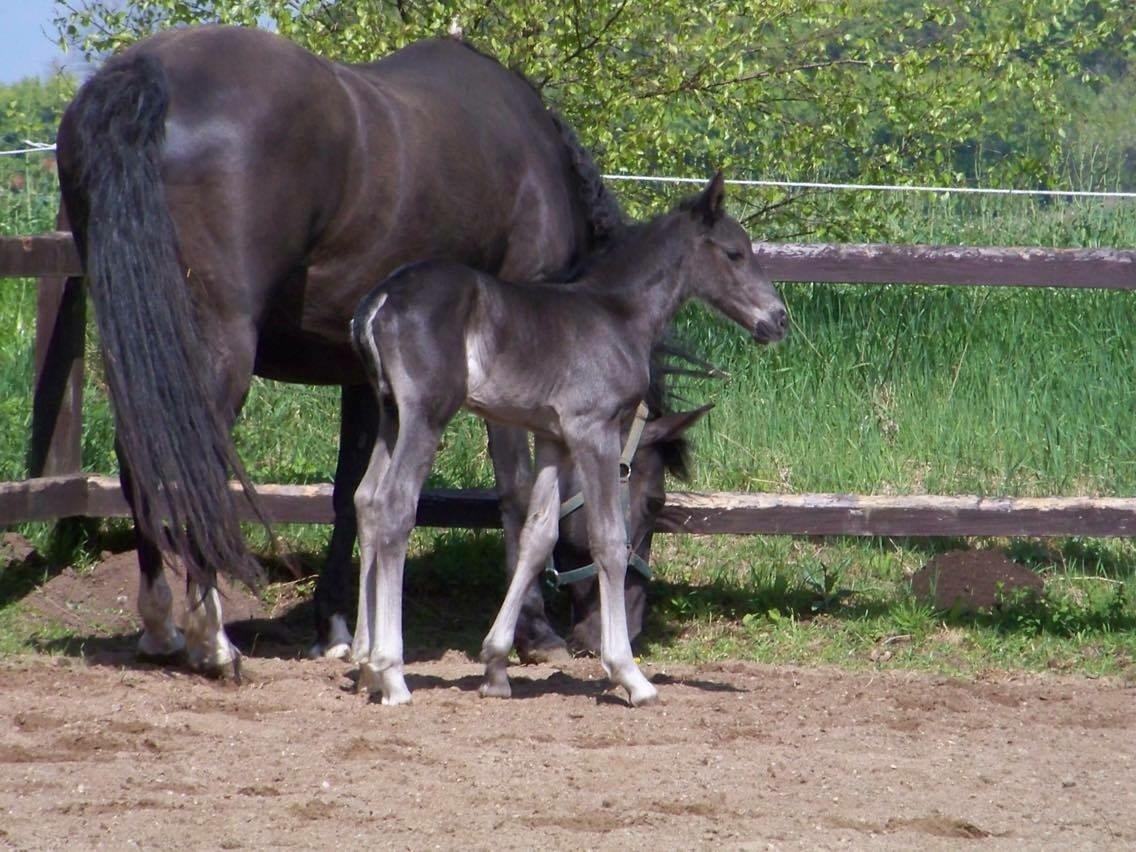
pixel 38 256
pixel 56 415
pixel 1110 269
pixel 1113 269
pixel 691 513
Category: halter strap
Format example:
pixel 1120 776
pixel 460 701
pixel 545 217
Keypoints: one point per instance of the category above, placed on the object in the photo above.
pixel 634 560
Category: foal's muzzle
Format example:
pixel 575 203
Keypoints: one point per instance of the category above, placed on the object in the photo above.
pixel 772 327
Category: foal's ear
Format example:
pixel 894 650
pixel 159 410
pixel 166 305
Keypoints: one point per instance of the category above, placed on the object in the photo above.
pixel 671 426
pixel 711 201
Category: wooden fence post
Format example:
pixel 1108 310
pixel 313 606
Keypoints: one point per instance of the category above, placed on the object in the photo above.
pixel 57 403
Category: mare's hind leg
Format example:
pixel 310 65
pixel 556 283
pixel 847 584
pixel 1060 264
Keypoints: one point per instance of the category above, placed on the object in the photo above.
pixel 596 451
pixel 205 645
pixel 357 434
pixel 537 539
pixel 535 639
pixel 161 640
pixel 386 518
pixel 208 648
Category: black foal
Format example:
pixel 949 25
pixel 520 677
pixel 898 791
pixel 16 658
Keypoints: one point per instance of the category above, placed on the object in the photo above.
pixel 568 362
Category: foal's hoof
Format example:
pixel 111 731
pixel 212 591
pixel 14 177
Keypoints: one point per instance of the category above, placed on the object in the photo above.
pixel 165 659
pixel 387 683
pixel 644 698
pixel 496 683
pixel 495 690
pixel 640 691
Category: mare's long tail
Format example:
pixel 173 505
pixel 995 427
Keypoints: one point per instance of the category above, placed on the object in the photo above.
pixel 175 442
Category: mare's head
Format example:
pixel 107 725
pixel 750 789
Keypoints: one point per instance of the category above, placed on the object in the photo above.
pixel 723 270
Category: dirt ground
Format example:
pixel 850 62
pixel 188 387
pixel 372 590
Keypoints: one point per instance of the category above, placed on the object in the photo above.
pixel 97 750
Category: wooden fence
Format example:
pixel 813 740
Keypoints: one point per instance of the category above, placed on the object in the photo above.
pixel 59 489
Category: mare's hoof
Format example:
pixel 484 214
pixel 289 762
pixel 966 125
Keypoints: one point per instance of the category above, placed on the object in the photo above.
pixel 173 659
pixel 162 650
pixel 228 671
pixel 338 651
pixel 536 642
pixel 553 653
pixel 337 645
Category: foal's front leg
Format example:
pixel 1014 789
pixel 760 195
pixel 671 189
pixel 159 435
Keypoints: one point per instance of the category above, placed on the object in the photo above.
pixel 537 538
pixel 596 451
pixel 535 640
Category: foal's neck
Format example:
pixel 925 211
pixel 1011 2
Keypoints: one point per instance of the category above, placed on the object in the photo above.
pixel 645 277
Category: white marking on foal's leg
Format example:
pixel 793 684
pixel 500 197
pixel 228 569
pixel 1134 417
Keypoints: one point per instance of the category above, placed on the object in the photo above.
pixel 160 636
pixel 382 672
pixel 338 644
pixel 207 647
pixel 360 644
pixel 615 646
pixel 608 539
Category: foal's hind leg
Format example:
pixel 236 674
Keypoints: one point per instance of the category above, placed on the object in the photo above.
pixel 386 518
pixel 535 639
pixel 357 434
pixel 537 539
pixel 368 486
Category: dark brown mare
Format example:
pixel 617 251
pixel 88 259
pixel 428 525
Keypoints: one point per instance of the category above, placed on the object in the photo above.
pixel 233 197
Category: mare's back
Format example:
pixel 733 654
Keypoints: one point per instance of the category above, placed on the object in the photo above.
pixel 470 117
pixel 448 71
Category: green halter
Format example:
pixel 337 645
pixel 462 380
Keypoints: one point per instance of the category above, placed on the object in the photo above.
pixel 634 560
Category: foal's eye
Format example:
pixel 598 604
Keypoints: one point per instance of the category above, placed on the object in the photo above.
pixel 734 255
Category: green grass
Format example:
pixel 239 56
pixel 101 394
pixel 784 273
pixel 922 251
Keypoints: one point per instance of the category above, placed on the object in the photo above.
pixel 879 390
pixel 847 602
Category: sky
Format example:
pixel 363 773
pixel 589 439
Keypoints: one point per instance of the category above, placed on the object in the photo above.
pixel 26 47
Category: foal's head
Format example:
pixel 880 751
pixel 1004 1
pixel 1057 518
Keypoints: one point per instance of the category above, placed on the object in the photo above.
pixel 723 270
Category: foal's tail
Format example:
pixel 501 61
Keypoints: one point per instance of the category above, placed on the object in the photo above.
pixel 175 443
pixel 363 337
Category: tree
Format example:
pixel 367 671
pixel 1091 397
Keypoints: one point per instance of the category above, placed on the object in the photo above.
pixel 867 90
pixel 29 112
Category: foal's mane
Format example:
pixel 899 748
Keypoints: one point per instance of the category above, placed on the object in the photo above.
pixel 626 244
